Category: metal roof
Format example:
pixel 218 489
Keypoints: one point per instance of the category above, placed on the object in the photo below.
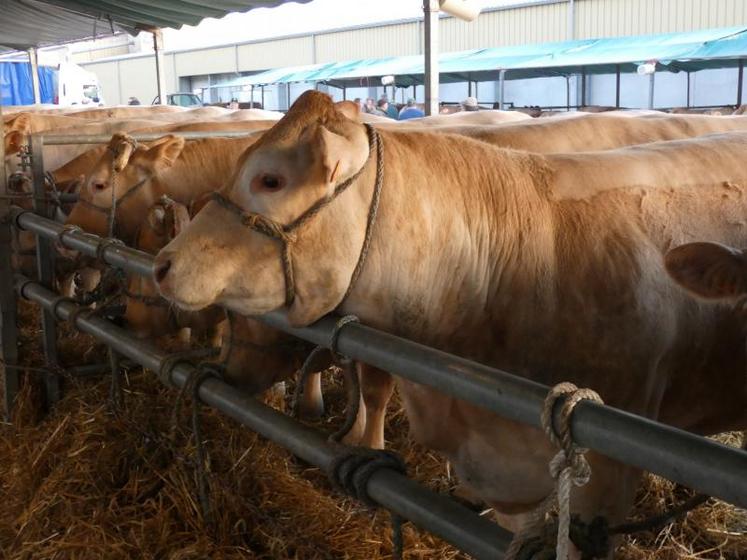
pixel 695 50
pixel 34 23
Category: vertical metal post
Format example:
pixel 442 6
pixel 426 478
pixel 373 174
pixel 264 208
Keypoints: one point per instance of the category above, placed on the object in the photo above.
pixel 567 93
pixel 651 85
pixel 288 91
pixel 617 86
pixel 8 310
pixel 34 61
pixel 262 96
pixel 469 88
pixel 430 18
pixel 502 90
pixel 344 93
pixel 45 267
pixel 688 90
pixel 251 101
pixel 160 76
pixel 740 78
pixel 583 87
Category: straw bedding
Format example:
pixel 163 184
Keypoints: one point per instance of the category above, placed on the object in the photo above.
pixel 85 482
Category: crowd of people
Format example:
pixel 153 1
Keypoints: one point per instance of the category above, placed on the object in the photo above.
pixel 410 110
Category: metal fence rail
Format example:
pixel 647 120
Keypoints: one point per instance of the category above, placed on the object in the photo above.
pixel 63 139
pixel 699 463
pixel 434 512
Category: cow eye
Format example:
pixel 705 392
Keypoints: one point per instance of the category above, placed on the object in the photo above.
pixel 270 182
pixel 98 187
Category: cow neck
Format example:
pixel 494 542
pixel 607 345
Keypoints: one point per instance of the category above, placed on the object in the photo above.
pixel 286 233
pixel 461 227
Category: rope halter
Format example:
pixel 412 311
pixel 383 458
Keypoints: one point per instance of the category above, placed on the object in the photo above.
pixel 285 234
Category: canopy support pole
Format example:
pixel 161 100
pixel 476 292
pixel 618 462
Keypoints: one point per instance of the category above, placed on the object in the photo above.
pixel 688 90
pixel 567 93
pixel 430 20
pixel 651 86
pixel 583 87
pixel 34 61
pixel 8 305
pixel 288 93
pixel 617 86
pixel 740 83
pixel 262 95
pixel 160 76
pixel 502 90
pixel 251 101
pixel 344 93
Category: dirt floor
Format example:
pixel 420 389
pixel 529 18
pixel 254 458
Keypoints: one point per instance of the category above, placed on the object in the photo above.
pixel 85 482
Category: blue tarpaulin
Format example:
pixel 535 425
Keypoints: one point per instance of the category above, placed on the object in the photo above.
pixel 708 48
pixel 16 87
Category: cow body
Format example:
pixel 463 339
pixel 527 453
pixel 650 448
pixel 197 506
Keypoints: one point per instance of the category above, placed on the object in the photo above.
pixel 492 255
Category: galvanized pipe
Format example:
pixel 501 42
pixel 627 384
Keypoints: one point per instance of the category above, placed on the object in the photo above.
pixel 702 464
pixel 436 513
pixel 61 139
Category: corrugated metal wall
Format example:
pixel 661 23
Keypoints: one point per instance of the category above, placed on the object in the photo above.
pixel 530 22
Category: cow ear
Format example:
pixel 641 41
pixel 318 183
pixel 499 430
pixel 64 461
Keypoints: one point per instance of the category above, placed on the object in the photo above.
pixel 342 157
pixel 13 142
pixel 708 270
pixel 165 153
pixel 349 108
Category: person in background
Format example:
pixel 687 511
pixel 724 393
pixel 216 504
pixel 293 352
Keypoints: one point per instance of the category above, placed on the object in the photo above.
pixel 369 107
pixel 358 102
pixel 382 108
pixel 133 101
pixel 234 104
pixel 410 111
pixel 391 110
pixel 470 104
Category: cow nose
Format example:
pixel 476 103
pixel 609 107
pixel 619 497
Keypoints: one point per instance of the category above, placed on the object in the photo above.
pixel 161 267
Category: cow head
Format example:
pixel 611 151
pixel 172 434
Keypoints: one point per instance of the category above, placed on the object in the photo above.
pixel 146 313
pixel 127 173
pixel 300 161
pixel 709 270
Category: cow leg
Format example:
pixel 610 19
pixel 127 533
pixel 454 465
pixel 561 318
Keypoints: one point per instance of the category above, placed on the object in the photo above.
pixel 312 402
pixel 376 390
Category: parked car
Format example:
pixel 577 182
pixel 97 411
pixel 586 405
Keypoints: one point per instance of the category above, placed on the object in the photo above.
pixel 180 99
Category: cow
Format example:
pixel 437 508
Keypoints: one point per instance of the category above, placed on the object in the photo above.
pixel 142 174
pixel 547 266
pixel 255 356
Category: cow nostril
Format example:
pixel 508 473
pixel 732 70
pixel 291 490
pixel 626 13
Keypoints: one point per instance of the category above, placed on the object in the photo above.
pixel 161 270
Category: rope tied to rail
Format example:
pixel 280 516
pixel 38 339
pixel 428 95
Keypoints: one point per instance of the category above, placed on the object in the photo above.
pixel 353 467
pixel 568 468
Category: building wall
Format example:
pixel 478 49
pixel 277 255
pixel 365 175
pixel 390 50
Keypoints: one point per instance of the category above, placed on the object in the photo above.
pixel 528 22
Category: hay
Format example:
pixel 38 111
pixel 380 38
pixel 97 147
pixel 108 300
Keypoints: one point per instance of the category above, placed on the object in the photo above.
pixel 83 483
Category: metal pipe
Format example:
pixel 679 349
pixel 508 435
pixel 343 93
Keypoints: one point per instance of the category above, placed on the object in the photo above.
pixel 502 90
pixel 697 462
pixel 62 139
pixel 740 84
pixel 617 86
pixel 160 74
pixel 45 256
pixel 436 513
pixel 583 87
pixel 688 90
pixel 430 19
pixel 8 307
pixel 651 86
pixel 34 61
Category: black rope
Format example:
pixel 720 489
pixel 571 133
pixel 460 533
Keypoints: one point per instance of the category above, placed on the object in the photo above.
pixel 350 471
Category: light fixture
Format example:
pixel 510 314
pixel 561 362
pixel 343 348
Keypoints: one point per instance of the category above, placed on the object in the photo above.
pixel 387 80
pixel 646 69
pixel 466 10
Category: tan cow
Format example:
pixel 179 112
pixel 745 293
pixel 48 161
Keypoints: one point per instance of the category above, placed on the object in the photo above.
pixel 544 266
pixel 169 166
